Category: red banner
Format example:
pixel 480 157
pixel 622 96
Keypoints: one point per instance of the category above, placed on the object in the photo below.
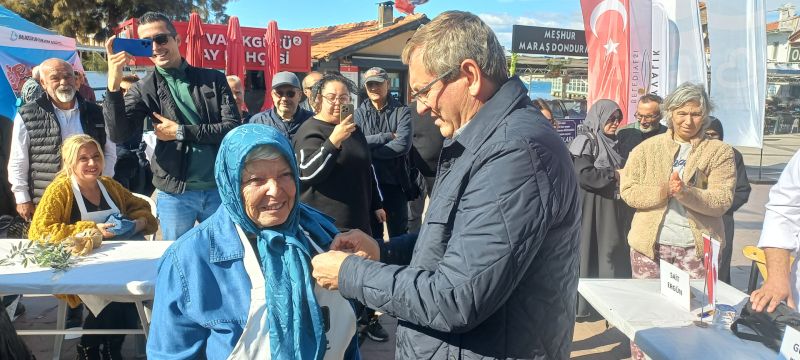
pixel 607 25
pixel 295 47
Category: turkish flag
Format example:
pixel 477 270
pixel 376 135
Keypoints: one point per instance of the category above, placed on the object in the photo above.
pixel 607 24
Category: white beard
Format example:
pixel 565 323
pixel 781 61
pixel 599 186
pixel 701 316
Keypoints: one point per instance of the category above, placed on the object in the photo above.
pixel 647 130
pixel 65 96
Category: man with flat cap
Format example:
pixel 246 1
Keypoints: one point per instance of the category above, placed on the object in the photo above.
pixel 286 115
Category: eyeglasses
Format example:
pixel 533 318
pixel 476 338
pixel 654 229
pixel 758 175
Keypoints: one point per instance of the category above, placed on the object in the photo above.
pixel 646 117
pixel 159 39
pixel 422 94
pixel 287 93
pixel 332 99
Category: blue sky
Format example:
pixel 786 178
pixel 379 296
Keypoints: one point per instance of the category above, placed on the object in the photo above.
pixel 499 14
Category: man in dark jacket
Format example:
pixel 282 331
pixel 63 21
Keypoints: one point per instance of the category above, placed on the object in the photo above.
pixel 426 145
pixel 647 125
pixel 192 110
pixel 741 194
pixel 286 115
pixel 387 125
pixel 494 273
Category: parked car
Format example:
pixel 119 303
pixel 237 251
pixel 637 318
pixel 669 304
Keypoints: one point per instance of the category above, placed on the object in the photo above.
pixel 569 113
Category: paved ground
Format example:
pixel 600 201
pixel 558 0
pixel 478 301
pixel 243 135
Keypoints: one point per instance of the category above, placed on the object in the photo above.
pixel 592 340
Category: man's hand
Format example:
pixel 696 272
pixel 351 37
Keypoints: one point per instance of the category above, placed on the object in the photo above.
pixel 357 242
pixel 116 62
pixel 380 214
pixel 326 268
pixel 165 131
pixel 776 287
pixel 771 293
pixel 25 210
pixel 675 184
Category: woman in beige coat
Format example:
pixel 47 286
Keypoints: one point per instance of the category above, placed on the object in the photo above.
pixel 680 185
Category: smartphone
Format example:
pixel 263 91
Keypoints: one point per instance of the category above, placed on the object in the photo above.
pixel 135 47
pixel 345 110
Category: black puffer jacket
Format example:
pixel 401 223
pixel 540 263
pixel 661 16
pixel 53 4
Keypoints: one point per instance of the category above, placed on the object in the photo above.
pixel 215 105
pixel 494 272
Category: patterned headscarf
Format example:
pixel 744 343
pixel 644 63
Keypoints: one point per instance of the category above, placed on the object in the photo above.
pixel 296 329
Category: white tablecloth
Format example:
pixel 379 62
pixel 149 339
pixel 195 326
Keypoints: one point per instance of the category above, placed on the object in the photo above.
pixel 117 271
pixel 662 329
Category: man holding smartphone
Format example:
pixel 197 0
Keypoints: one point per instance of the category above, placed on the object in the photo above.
pixel 192 110
pixel 286 115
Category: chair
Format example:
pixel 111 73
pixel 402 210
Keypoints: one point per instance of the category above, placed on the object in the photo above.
pixel 759 261
pixel 152 209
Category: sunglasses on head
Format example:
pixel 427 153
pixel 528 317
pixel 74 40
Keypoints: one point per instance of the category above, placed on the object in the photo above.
pixel 287 93
pixel 159 39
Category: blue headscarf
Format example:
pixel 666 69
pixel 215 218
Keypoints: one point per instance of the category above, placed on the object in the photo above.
pixel 294 317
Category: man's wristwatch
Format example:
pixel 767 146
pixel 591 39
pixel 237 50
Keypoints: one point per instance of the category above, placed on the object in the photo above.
pixel 179 133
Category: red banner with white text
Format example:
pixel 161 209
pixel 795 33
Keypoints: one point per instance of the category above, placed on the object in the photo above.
pixel 295 47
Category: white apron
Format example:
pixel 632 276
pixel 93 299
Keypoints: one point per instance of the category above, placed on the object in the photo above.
pixel 95 303
pixel 340 319
pixel 98 217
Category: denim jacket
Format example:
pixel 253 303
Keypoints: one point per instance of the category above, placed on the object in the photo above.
pixel 203 295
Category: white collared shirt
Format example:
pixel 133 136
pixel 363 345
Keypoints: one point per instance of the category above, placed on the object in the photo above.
pixel 782 217
pixel 18 161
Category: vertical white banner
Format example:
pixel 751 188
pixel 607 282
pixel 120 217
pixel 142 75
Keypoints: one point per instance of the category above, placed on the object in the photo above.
pixel 640 53
pixel 678 52
pixel 737 35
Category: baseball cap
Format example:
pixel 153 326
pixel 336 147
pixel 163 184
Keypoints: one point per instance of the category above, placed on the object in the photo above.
pixel 376 74
pixel 285 78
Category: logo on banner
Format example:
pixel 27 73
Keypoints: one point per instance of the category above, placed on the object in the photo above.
pixel 14 36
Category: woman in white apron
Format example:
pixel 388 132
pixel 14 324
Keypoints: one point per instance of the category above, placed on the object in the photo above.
pixel 80 200
pixel 239 285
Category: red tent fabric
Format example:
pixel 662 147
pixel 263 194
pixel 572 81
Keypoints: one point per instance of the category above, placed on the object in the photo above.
pixel 194 51
pixel 271 62
pixel 234 51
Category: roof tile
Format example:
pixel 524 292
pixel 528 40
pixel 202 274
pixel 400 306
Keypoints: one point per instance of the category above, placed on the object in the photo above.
pixel 325 40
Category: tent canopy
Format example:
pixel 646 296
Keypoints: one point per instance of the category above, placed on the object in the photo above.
pixel 24 45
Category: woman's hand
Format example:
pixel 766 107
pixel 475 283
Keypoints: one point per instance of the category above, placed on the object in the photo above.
pixel 342 131
pixel 106 234
pixel 675 184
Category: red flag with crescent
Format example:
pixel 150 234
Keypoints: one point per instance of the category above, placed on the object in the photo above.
pixel 607 25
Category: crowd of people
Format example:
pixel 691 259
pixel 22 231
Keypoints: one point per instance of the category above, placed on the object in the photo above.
pixel 296 224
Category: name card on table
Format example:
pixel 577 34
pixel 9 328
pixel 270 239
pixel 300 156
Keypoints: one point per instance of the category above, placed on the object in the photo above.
pixel 790 347
pixel 675 285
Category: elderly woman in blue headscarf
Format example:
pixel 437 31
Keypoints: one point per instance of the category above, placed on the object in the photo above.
pixel 239 285
pixel 604 252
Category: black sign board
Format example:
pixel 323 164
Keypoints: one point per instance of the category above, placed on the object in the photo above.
pixel 794 55
pixel 548 41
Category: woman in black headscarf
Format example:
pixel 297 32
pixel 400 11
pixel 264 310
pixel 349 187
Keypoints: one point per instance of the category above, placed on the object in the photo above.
pixel 604 252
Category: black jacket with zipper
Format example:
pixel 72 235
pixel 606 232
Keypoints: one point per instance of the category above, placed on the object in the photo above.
pixel 215 105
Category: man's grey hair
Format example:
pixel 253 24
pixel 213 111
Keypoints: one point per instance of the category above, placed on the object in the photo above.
pixel 233 78
pixel 684 94
pixel 35 73
pixel 154 16
pixel 263 152
pixel 453 37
